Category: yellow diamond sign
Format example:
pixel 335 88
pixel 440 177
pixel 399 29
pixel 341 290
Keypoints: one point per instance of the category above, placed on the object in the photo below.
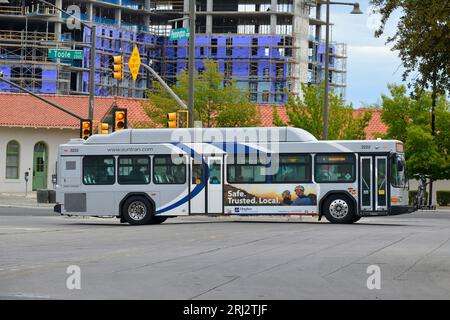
pixel 134 63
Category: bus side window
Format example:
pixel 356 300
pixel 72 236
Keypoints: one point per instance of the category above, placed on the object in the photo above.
pixel 134 170
pixel 98 170
pixel 335 168
pixel 166 171
pixel 197 173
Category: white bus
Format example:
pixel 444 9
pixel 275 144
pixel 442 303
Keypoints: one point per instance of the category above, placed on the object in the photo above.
pixel 144 176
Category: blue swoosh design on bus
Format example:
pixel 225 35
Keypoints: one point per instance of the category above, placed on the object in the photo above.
pixel 197 189
pixel 231 148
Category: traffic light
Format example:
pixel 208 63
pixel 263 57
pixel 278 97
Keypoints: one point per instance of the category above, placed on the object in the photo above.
pixel 183 118
pixel 118 67
pixel 120 119
pixel 172 120
pixel 103 128
pixel 85 128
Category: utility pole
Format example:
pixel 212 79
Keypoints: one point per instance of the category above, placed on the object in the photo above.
pixel 92 73
pixel 327 68
pixel 355 10
pixel 191 61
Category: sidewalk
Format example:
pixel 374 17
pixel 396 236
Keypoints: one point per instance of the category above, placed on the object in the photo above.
pixel 19 200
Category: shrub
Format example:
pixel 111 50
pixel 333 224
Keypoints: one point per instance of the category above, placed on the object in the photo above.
pixel 412 197
pixel 443 197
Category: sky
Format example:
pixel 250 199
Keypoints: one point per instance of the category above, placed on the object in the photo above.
pixel 371 65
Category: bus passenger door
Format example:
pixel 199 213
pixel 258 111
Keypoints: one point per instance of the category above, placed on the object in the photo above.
pixel 215 185
pixel 373 183
pixel 198 189
pixel 381 182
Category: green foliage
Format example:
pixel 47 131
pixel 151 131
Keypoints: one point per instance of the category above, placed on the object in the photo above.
pixel 408 120
pixel 412 199
pixel 421 38
pixel 307 113
pixel 215 104
pixel 443 197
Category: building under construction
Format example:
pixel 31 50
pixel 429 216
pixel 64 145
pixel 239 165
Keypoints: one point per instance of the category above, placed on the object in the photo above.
pixel 265 46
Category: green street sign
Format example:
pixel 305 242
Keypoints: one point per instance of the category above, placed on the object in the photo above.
pixel 179 34
pixel 65 54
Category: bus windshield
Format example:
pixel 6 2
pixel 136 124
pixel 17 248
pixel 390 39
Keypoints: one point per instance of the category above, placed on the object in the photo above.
pixel 398 171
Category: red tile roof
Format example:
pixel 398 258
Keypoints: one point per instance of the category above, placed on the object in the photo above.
pixel 375 126
pixel 23 110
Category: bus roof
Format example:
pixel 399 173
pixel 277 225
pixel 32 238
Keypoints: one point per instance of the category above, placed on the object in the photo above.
pixel 191 135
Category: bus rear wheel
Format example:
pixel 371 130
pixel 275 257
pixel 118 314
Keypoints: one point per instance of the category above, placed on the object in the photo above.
pixel 339 208
pixel 137 211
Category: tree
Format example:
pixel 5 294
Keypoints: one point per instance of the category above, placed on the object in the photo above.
pixel 408 120
pixel 307 113
pixel 422 38
pixel 216 102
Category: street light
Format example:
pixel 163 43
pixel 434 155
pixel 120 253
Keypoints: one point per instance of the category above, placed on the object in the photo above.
pixel 356 10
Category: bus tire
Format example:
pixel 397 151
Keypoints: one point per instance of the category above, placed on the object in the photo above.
pixel 339 208
pixel 137 210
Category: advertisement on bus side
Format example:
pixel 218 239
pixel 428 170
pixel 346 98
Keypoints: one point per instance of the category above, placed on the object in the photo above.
pixel 270 198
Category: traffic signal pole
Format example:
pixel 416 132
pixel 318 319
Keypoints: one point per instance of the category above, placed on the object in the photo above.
pixel 166 86
pixel 191 62
pixel 92 73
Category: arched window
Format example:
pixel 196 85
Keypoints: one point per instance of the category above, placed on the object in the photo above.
pixel 12 160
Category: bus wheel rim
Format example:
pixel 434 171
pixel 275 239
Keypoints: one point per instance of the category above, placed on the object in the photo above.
pixel 338 209
pixel 137 210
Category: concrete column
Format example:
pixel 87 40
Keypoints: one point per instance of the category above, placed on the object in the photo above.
pixel 273 17
pixel 90 11
pixel 209 19
pixel 300 30
pixel 146 19
pixel 118 16
pixel 58 3
pixel 318 30
pixel 186 10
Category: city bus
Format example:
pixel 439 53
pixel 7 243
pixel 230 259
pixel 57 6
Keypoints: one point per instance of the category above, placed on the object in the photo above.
pixel 144 176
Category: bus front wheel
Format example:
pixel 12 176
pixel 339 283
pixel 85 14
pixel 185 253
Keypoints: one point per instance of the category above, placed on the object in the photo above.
pixel 137 211
pixel 339 209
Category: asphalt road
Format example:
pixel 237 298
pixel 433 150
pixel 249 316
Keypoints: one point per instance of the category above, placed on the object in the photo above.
pixel 225 258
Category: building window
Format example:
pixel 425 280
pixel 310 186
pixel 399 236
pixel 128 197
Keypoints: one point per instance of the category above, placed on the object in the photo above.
pixel 98 170
pixel 12 160
pixel 229 50
pixel 214 47
pixel 254 46
pixel 265 96
pixel 253 68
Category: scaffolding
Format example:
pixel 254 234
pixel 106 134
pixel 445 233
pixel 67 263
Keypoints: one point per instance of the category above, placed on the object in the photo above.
pixel 261 50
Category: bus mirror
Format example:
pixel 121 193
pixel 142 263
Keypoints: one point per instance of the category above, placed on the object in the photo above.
pixel 400 165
